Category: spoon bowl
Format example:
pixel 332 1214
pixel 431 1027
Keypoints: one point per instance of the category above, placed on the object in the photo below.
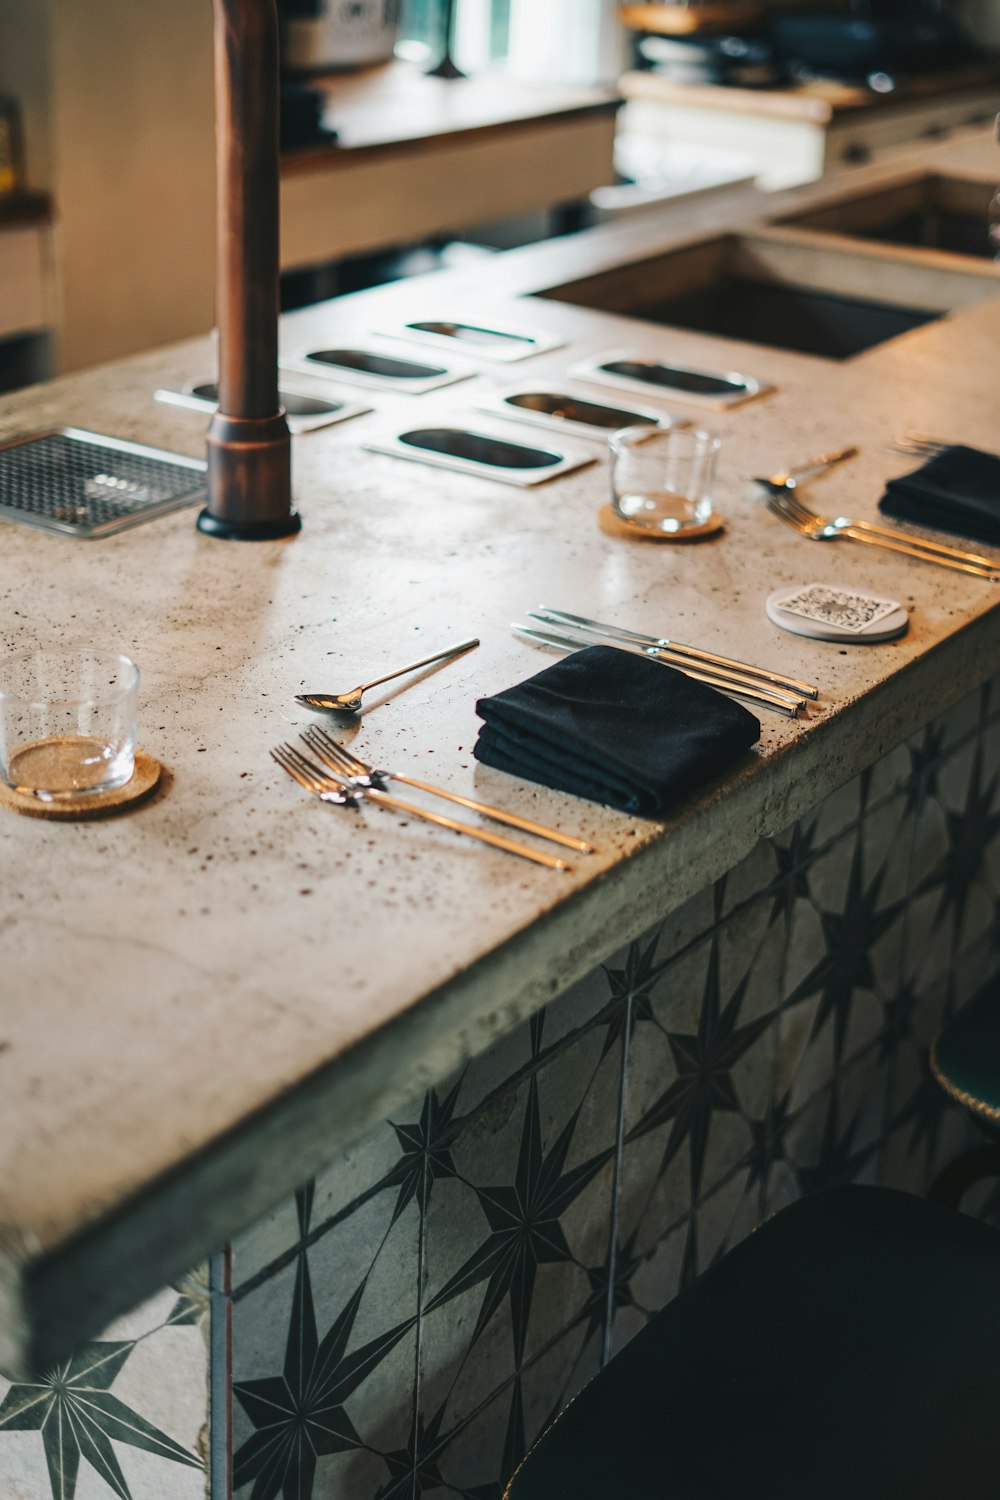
pixel 350 702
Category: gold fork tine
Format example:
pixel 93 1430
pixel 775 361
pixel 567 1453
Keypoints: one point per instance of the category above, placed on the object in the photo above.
pixel 978 567
pixel 318 740
pixel 299 769
pixel 939 551
pixel 305 766
pixel 287 766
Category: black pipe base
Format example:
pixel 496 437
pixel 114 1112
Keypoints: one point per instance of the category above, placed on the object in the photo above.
pixel 447 69
pixel 260 531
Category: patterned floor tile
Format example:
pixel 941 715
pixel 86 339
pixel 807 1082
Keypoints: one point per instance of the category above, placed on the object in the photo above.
pixel 838 813
pixel 324 1359
pixel 652 1281
pixel 831 1142
pixel 700 1074
pixel 962 721
pixel 477 1458
pixel 889 776
pixel 351 1178
pixel 516 1241
pixel 756 873
pixel 844 953
pixel 126 1416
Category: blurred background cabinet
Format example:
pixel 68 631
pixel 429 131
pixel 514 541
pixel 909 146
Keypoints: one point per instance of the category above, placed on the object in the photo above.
pixel 117 101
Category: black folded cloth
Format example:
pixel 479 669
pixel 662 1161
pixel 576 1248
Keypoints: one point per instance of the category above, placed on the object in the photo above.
pixel 958 490
pixel 615 728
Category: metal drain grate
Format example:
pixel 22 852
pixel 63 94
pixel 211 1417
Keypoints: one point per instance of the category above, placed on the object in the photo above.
pixel 86 485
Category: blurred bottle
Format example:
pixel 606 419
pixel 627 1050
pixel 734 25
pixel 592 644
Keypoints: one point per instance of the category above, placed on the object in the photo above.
pixel 320 35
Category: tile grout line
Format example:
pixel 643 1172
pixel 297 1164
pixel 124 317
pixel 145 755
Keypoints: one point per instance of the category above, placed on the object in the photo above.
pixel 220 1378
pixel 609 1301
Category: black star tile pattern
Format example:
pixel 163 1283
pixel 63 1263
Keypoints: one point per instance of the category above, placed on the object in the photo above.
pixel 844 968
pixel 82 1423
pixel 299 1415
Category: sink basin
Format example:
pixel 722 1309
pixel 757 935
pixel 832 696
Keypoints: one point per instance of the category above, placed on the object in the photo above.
pixel 377 368
pixel 304 409
pixel 929 212
pixel 560 411
pixel 504 344
pixel 481 451
pixel 777 288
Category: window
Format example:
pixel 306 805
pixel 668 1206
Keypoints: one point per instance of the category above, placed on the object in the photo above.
pixel 481 27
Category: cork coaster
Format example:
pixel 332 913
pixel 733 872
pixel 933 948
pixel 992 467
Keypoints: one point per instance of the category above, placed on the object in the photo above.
pixel 613 525
pixel 143 781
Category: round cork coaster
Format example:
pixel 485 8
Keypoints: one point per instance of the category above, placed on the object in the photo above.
pixel 144 780
pixel 612 524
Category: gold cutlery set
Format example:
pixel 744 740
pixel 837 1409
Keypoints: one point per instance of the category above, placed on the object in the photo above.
pixel 337 776
pixel 334 774
pixel 783 502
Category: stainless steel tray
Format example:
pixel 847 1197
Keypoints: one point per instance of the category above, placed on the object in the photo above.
pixel 84 484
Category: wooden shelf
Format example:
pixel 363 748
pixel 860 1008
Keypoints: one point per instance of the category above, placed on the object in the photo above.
pixel 689 20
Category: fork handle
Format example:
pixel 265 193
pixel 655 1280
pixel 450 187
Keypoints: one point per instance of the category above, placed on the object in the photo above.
pixel 911 551
pixel 497 814
pixel 958 553
pixel 383 799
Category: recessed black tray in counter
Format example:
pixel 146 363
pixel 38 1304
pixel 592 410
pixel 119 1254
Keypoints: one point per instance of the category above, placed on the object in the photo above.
pixel 484 452
pixel 561 411
pixel 644 372
pixel 305 410
pixel 505 344
pixel 382 369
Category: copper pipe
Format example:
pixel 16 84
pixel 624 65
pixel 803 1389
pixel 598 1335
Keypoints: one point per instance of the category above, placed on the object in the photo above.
pixel 249 449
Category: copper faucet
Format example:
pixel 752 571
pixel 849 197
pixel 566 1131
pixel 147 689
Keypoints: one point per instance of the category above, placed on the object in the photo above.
pixel 249 449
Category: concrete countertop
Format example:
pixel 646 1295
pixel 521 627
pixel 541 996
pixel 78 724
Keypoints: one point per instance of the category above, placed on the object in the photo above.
pixel 202 1000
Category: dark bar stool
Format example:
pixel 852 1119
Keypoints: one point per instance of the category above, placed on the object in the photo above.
pixel 847 1350
pixel 965 1060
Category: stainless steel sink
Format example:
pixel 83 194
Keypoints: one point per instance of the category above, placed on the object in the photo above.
pixel 925 210
pixel 634 371
pixel 304 409
pixel 482 451
pixel 504 344
pixel 562 411
pixel 787 287
pixel 375 367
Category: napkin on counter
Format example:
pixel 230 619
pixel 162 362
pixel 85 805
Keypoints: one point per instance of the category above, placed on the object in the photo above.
pixel 614 727
pixel 957 490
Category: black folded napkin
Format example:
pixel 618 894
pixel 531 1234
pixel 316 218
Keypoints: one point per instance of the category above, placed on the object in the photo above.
pixel 614 727
pixel 957 490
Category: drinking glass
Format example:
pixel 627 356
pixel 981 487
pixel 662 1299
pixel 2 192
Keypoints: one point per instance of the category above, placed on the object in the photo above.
pixel 663 479
pixel 67 722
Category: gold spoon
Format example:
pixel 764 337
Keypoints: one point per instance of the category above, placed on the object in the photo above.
pixel 350 703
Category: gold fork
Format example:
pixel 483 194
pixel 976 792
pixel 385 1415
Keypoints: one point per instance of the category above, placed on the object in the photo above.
pixel 339 759
pixel 332 787
pixel 821 529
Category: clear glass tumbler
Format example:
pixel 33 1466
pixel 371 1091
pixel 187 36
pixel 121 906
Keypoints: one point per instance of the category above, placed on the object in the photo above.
pixel 67 722
pixel 663 479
